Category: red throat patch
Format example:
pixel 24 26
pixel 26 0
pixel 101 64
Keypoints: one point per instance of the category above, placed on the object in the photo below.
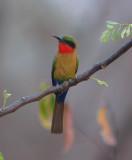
pixel 64 48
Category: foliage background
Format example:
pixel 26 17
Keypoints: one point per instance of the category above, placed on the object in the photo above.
pixel 26 53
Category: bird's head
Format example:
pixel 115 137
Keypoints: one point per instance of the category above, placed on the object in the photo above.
pixel 67 43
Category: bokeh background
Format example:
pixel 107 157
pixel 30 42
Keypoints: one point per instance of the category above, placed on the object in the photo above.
pixel 26 53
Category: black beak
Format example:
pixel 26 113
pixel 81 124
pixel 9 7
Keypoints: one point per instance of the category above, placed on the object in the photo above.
pixel 59 38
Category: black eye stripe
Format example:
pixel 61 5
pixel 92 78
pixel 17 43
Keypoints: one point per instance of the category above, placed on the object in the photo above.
pixel 70 43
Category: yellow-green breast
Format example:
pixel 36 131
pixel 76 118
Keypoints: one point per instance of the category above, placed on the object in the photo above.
pixel 65 66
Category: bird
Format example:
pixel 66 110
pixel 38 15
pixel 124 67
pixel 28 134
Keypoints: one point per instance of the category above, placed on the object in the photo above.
pixel 64 67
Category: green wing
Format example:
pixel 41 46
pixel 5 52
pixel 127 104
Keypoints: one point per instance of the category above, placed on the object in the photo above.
pixel 77 63
pixel 53 68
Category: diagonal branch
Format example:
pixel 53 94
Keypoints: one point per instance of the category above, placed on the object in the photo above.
pixel 67 84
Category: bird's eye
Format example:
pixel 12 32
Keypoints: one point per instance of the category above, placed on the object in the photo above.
pixel 70 43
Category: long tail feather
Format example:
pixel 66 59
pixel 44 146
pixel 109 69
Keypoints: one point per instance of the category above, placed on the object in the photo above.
pixel 57 121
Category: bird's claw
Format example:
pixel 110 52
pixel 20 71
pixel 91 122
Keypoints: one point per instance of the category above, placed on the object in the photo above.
pixel 57 88
pixel 75 77
pixel 70 79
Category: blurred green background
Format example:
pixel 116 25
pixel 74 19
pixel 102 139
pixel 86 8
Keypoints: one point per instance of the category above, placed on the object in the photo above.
pixel 26 53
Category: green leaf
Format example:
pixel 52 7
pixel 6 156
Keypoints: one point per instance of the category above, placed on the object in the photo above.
pixel 123 33
pixel 105 32
pixel 113 35
pixel 6 96
pixel 111 22
pixel 118 32
pixel 103 35
pixel 128 32
pixel 1 156
pixel 46 106
pixel 100 82
pixel 107 37
pixel 101 38
pixel 110 26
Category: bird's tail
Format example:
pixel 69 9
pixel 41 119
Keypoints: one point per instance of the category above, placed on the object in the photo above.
pixel 57 121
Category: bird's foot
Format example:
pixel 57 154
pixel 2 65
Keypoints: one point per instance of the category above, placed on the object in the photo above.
pixel 70 80
pixel 76 79
pixel 57 88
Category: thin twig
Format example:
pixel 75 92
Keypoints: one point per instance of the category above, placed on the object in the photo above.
pixel 67 84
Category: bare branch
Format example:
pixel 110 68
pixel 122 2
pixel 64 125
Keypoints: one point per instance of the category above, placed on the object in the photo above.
pixel 67 84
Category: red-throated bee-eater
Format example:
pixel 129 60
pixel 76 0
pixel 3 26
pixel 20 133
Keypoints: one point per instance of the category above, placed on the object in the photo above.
pixel 64 67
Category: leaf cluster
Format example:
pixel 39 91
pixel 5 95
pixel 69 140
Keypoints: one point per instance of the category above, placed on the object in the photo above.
pixel 115 30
